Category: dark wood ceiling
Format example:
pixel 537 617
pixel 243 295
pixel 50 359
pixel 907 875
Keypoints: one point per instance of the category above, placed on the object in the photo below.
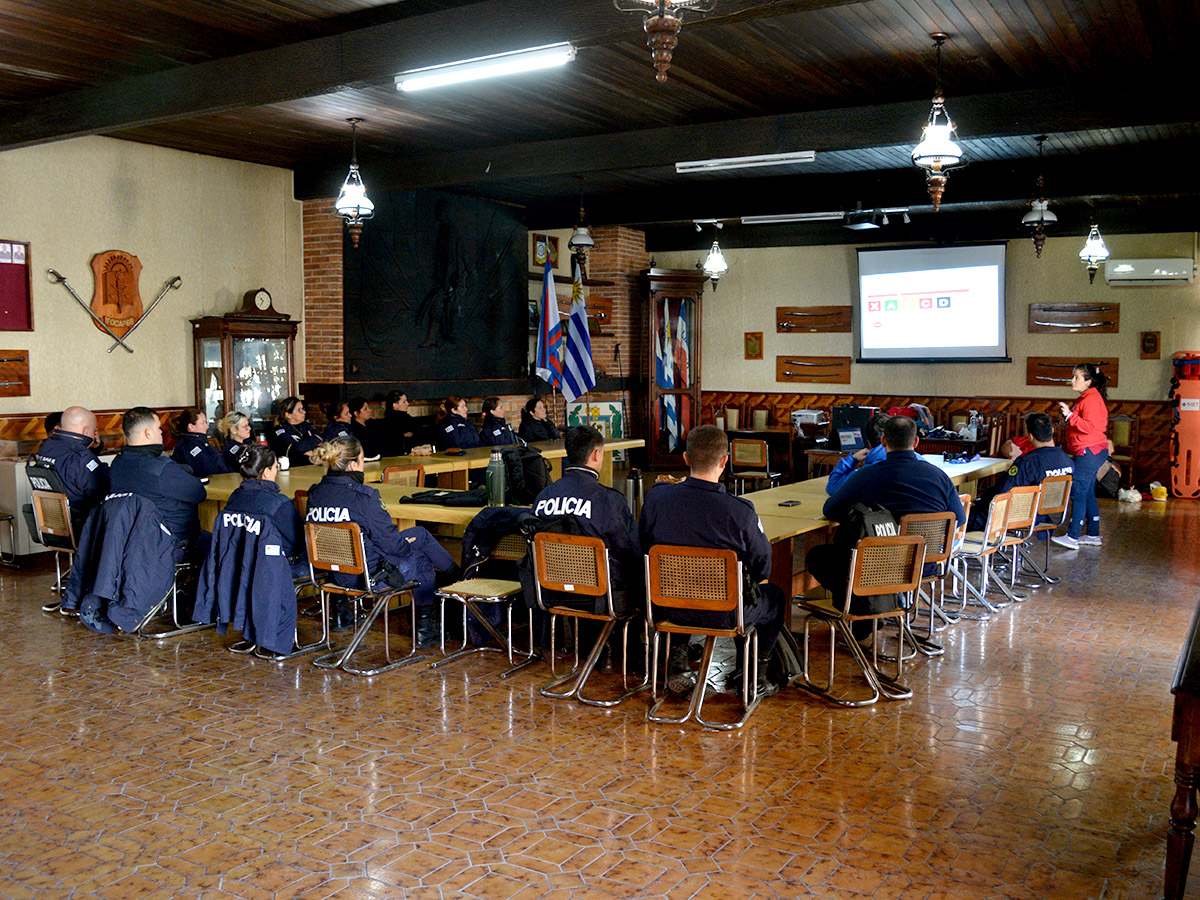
pixel 272 81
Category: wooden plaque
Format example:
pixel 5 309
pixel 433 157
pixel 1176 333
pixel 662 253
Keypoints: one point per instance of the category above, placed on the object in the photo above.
pixel 825 369
pixel 1055 371
pixel 14 373
pixel 1074 318
pixel 1150 345
pixel 800 319
pixel 753 341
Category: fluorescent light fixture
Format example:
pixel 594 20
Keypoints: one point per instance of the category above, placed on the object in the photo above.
pixel 784 218
pixel 745 162
pixel 509 63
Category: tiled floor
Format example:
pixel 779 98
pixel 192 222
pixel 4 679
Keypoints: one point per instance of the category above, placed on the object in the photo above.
pixel 1034 762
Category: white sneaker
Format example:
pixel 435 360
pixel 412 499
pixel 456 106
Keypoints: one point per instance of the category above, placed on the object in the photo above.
pixel 1092 539
pixel 1065 540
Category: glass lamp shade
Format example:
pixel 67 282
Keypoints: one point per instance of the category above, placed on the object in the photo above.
pixel 581 241
pixel 1039 214
pixel 1094 252
pixel 937 151
pixel 715 265
pixel 353 203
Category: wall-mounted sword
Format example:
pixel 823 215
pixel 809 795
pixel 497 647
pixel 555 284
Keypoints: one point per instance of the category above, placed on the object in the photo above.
pixel 57 277
pixel 170 285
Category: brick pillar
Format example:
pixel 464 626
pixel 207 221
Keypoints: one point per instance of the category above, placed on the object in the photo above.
pixel 619 256
pixel 323 359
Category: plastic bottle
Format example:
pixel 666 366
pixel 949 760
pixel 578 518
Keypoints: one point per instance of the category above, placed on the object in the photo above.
pixel 494 478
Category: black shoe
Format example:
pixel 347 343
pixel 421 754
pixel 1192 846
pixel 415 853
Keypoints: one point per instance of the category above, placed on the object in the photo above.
pixel 766 687
pixel 680 677
pixel 341 618
pixel 426 632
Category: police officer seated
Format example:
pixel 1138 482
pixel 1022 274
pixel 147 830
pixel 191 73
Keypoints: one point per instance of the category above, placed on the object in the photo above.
pixel 292 436
pixel 192 448
pixel 454 429
pixel 140 468
pixel 259 495
pixel 494 431
pixel 69 451
pixel 1031 467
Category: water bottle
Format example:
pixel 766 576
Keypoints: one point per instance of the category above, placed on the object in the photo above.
pixel 633 491
pixel 495 479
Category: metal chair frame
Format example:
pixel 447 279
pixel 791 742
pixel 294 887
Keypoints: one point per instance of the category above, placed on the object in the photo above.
pixel 52 513
pixel 713 583
pixel 169 602
pixel 338 547
pixel 878 565
pixel 1055 500
pixel 9 559
pixel 558 555
pixel 981 549
pixel 1022 517
pixel 413 475
pixel 759 454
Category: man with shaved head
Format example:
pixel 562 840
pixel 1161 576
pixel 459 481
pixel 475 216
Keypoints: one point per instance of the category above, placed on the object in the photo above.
pixel 69 450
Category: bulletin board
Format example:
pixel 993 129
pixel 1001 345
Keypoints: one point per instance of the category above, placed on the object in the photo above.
pixel 16 304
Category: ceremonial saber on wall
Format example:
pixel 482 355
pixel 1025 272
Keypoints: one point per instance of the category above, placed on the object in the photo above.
pixel 58 278
pixel 170 285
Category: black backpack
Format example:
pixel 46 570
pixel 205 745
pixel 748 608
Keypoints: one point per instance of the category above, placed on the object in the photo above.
pixel 526 473
pixel 865 520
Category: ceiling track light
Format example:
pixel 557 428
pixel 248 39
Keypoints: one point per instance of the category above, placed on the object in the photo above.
pixel 1039 215
pixel 938 153
pixel 352 203
pixel 662 26
pixel 1093 253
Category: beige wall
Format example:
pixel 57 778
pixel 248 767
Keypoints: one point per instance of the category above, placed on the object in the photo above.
pixel 225 227
pixel 759 280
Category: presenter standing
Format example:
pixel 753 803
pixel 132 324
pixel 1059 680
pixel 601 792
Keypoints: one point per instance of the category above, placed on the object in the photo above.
pixel 1087 443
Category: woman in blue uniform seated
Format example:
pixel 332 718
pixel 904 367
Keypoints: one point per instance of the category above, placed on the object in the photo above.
pixel 394 557
pixel 364 427
pixel 192 448
pixel 234 429
pixel 338 414
pixel 535 422
pixel 495 432
pixel 453 429
pixel 259 495
pixel 291 436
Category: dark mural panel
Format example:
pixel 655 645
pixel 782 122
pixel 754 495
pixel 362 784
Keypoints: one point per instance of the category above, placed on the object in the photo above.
pixel 437 290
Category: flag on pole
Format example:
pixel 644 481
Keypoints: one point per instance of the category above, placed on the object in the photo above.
pixel 667 382
pixel 681 363
pixel 578 374
pixel 549 342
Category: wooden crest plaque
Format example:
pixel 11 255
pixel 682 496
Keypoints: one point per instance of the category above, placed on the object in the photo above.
pixel 115 298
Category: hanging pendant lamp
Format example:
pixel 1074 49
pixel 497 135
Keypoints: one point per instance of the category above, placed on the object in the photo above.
pixel 1039 215
pixel 938 153
pixel 352 204
pixel 1093 253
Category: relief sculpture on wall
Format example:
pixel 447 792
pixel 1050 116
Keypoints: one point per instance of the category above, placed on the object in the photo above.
pixel 116 300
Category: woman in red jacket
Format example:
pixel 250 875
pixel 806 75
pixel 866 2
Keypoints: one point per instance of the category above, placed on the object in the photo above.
pixel 1087 442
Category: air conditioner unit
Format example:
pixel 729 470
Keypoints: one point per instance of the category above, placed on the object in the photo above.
pixel 1139 272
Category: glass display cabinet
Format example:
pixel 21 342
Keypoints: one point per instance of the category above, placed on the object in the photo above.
pixel 244 362
pixel 674 297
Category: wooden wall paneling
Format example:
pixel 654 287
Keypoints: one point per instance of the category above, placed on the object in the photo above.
pixel 827 369
pixel 1049 371
pixel 792 319
pixel 14 373
pixel 1074 318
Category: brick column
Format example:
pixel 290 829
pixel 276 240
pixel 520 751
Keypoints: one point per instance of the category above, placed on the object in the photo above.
pixel 323 323
pixel 619 256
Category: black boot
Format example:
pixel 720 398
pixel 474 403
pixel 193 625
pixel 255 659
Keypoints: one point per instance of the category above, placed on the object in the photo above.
pixel 680 677
pixel 426 629
pixel 340 617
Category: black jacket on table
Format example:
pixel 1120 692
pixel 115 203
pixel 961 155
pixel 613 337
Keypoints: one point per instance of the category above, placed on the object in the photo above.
pixel 171 488
pixel 232 452
pixel 338 497
pixel 495 432
pixel 195 452
pixel 455 431
pixel 294 441
pixel 83 475
pixel 902 483
pixel 260 497
pixel 536 429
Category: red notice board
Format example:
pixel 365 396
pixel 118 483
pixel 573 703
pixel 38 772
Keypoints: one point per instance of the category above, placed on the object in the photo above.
pixel 16 302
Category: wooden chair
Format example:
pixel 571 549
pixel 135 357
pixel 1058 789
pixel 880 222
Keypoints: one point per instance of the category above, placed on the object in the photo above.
pixel 413 476
pixel 980 546
pixel 1022 516
pixel 300 499
pixel 52 513
pixel 750 460
pixel 471 592
pixel 938 530
pixel 1054 502
pixel 701 579
pixel 878 566
pixel 1123 432
pixel 578 565
pixel 338 547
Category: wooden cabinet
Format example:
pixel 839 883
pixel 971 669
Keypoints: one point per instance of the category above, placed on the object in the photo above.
pixel 245 363
pixel 674 300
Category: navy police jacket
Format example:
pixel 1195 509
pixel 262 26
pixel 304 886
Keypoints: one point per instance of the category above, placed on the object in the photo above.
pixel 83 475
pixel 260 497
pixel 335 429
pixel 1030 468
pixel 902 483
pixel 175 491
pixel 339 497
pixel 455 431
pixel 125 562
pixel 293 441
pixel 232 453
pixel 601 512
pixel 697 513
pixel 246 582
pixel 194 451
pixel 495 432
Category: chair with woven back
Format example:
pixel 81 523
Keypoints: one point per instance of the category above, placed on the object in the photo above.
pixel 698 579
pixel 336 549
pixel 1053 504
pixel 472 591
pixel 411 476
pixel 938 530
pixel 1022 516
pixel 750 460
pixel 577 565
pixel 52 513
pixel 980 547
pixel 878 566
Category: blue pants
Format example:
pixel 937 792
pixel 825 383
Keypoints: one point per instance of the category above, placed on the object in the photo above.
pixel 1083 494
pixel 429 558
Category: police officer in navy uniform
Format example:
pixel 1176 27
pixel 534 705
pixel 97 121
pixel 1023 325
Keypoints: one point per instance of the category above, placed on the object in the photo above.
pixel 600 511
pixel 494 431
pixel 393 557
pixel 259 495
pixel 453 428
pixel 698 512
pixel 292 436
pixel 338 414
pixel 365 427
pixel 69 450
pixel 192 448
pixel 236 434
pixel 1042 461
pixel 141 469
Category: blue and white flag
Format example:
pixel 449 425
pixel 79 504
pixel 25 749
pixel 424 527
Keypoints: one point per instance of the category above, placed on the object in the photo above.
pixel 549 341
pixel 666 360
pixel 578 374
